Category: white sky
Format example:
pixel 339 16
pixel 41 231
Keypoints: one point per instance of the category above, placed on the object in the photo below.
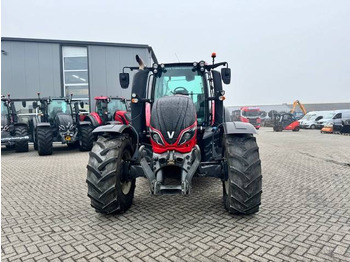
pixel 278 50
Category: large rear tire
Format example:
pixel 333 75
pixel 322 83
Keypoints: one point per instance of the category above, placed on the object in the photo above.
pixel 21 146
pixel 44 140
pixel 109 188
pixel 243 187
pixel 86 138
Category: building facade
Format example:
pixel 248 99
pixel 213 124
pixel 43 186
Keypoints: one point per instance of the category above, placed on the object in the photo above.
pixel 60 68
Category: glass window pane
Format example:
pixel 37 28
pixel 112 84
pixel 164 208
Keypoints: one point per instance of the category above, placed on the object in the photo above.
pixel 72 51
pixel 78 91
pixel 75 63
pixel 76 77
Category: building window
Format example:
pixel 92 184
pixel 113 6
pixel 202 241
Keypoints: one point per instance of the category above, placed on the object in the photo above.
pixel 75 72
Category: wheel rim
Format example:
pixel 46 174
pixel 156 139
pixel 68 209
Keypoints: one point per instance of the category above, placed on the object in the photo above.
pixel 125 185
pixel 227 185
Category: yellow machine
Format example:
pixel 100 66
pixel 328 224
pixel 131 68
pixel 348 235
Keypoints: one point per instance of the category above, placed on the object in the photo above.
pixel 295 103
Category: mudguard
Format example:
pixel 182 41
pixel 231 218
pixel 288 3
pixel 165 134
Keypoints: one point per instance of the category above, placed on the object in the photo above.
pixel 238 128
pixel 43 124
pixel 84 123
pixel 111 129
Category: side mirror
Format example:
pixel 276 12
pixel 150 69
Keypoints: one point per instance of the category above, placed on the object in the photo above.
pixel 124 80
pixel 35 104
pixel 24 103
pixel 81 104
pixel 226 75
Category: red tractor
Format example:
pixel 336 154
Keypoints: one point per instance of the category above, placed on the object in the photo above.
pixel 107 111
pixel 180 129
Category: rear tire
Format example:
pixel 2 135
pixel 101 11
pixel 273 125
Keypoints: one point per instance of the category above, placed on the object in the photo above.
pixel 243 187
pixel 296 129
pixel 108 188
pixel 21 146
pixel 44 140
pixel 86 138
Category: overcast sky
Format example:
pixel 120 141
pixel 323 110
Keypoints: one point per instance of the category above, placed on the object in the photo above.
pixel 278 50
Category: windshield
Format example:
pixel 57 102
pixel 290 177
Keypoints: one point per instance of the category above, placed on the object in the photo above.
pixel 253 113
pixel 58 106
pixel 116 105
pixel 3 108
pixel 182 81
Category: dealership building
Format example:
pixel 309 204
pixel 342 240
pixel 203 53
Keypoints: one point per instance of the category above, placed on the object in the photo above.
pixel 59 67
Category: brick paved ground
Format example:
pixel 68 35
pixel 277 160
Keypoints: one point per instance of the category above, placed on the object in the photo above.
pixel 305 213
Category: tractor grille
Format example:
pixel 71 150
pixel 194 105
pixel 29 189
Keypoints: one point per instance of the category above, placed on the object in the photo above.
pixel 253 121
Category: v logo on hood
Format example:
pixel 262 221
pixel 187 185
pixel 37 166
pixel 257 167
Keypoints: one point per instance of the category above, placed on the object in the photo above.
pixel 170 135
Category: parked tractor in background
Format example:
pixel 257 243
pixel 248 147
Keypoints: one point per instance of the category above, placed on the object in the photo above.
pixel 107 111
pixel 248 114
pixel 59 122
pixel 180 129
pixel 14 133
pixel 285 121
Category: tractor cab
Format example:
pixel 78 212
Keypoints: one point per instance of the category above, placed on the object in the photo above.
pixel 108 109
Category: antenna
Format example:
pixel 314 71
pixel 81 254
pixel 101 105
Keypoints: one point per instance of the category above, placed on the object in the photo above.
pixel 177 57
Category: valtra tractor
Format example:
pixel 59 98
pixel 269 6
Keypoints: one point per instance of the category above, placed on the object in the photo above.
pixel 107 111
pixel 14 133
pixel 179 129
pixel 59 122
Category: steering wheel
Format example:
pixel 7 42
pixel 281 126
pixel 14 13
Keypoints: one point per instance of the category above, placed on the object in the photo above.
pixel 180 90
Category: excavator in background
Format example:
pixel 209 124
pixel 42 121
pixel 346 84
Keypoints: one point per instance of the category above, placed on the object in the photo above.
pixel 295 103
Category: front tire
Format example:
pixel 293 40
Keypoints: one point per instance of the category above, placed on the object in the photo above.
pixel 44 140
pixel 109 188
pixel 86 138
pixel 21 146
pixel 243 187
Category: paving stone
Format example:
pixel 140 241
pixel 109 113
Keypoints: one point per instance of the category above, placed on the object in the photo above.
pixel 304 216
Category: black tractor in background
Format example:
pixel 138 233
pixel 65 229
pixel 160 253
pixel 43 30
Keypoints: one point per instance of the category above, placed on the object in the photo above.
pixel 59 121
pixel 179 129
pixel 14 133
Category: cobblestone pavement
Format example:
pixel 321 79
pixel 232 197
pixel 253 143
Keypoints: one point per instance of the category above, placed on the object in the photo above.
pixel 305 212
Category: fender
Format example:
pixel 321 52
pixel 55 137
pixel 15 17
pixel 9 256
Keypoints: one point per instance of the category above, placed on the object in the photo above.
pixel 84 123
pixel 43 124
pixel 113 128
pixel 117 129
pixel 96 118
pixel 92 119
pixel 238 128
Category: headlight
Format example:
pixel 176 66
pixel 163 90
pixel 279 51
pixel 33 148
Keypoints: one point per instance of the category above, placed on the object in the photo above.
pixel 157 138
pixel 62 128
pixel 186 136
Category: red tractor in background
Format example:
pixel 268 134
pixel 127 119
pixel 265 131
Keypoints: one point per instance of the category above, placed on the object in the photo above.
pixel 248 114
pixel 108 110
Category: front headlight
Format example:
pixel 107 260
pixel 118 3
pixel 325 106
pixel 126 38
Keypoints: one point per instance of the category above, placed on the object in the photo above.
pixel 157 138
pixel 187 136
pixel 62 128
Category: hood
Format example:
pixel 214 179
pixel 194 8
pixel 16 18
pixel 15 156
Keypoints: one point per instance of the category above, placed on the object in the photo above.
pixel 172 114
